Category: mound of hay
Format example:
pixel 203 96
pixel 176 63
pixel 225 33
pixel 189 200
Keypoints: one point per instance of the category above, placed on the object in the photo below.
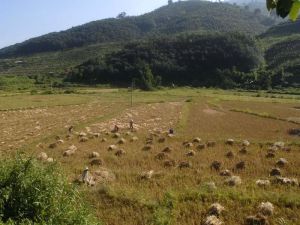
pixel 83 139
pixel 210 185
pixel 121 141
pixel 103 140
pixel 257 220
pixel 169 163
pixel 161 140
pixel 147 147
pixel 287 149
pixel 112 148
pixel 60 141
pixel 230 155
pixel 279 144
pixel 266 208
pixel 275 172
pixel 273 149
pixel 167 150
pixel 201 146
pixel 185 142
pixel 50 160
pixel 95 135
pixel 82 134
pixel 170 135
pixel 294 131
pixel 70 151
pixel 40 145
pixel 281 162
pixel 53 145
pixel 212 220
pixel 243 150
pixel 146 175
pixel 263 183
pixel 197 140
pixel 211 144
pixel 133 139
pixel 94 155
pixel 116 135
pixel 245 143
pixel 240 166
pixel 104 175
pixel 161 156
pixel 191 153
pixel 120 153
pixel 69 136
pixel 184 164
pixel 233 181
pixel 149 142
pixel 189 145
pixel 216 209
pixel 216 165
pixel 286 181
pixel 270 155
pixel 229 142
pixel 226 173
pixel 96 162
pixel 42 156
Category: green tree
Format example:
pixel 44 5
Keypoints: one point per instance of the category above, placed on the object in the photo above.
pixel 146 79
pixel 285 7
pixel 263 79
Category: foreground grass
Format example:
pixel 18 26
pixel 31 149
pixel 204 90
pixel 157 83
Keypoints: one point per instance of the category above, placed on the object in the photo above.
pixel 174 196
pixel 31 193
pixel 190 206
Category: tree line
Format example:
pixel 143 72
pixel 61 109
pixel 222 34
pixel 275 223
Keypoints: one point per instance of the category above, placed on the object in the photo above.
pixel 212 60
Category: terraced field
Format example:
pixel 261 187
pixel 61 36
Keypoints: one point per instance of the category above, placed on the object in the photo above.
pixel 146 175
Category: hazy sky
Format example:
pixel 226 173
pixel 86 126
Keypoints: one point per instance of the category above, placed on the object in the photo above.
pixel 24 19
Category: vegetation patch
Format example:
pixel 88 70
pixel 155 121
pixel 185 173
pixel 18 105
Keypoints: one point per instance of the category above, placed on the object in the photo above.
pixel 31 193
pixel 263 115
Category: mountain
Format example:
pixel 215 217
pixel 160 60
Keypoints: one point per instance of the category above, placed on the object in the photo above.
pixel 201 60
pixel 283 29
pixel 183 16
pixel 282 52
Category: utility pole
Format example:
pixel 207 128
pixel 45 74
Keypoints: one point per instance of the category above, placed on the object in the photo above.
pixel 131 97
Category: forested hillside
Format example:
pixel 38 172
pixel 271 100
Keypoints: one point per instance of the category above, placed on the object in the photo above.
pixel 283 29
pixel 201 60
pixel 184 16
pixel 283 52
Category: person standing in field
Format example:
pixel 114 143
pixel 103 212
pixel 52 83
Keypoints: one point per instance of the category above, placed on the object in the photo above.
pixel 116 129
pixel 131 125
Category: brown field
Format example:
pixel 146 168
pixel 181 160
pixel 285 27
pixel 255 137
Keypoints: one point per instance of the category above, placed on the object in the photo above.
pixel 173 196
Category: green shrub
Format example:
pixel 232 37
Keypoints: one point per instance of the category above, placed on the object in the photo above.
pixel 33 92
pixel 31 193
pixel 16 83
